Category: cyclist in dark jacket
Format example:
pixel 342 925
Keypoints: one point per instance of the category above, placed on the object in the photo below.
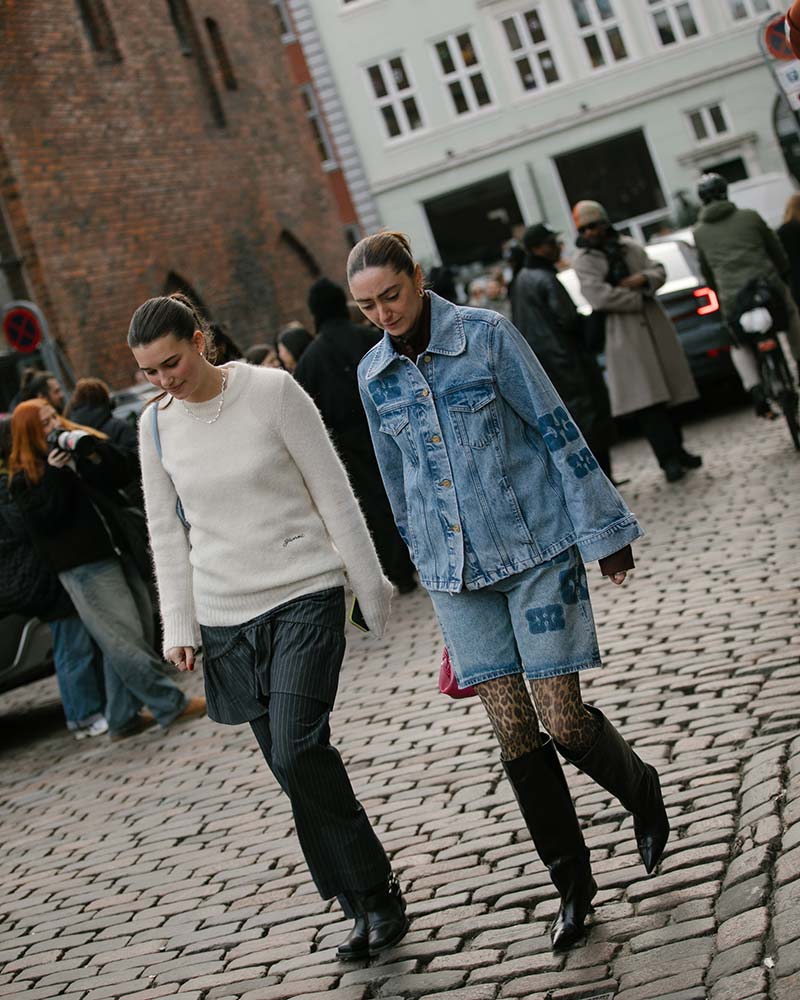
pixel 548 319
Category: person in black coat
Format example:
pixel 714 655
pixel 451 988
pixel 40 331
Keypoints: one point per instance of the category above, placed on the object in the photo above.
pixel 327 371
pixel 65 479
pixel 789 235
pixel 548 319
pixel 28 587
pixel 90 406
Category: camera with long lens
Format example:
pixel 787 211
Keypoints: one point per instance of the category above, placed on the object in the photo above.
pixel 71 442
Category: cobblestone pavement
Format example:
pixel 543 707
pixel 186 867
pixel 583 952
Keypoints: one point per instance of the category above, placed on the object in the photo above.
pixel 166 865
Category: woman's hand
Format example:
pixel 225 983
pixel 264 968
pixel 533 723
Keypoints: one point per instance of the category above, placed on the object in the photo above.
pixel 58 459
pixel 618 578
pixel 634 281
pixel 181 657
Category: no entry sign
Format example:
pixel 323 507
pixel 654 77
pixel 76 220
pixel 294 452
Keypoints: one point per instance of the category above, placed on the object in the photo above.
pixel 22 327
pixel 775 39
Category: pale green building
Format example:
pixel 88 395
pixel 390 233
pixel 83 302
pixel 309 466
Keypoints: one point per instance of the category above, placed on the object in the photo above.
pixel 460 121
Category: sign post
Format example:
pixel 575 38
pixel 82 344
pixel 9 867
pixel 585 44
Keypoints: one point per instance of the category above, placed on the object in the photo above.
pixel 26 330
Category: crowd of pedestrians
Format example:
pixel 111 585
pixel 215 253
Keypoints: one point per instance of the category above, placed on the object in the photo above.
pixel 407 438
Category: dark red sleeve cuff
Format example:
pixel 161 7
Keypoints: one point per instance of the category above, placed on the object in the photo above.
pixel 618 562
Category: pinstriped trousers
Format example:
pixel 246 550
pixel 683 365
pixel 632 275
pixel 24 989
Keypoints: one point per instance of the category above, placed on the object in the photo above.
pixel 280 672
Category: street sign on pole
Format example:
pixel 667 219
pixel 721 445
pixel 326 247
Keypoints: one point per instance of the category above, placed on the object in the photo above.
pixel 23 326
pixel 775 39
pixel 788 75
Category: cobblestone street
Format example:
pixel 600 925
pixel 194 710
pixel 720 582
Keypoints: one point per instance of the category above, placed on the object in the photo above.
pixel 166 865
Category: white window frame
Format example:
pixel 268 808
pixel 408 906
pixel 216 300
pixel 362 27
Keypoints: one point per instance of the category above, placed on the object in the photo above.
pixel 599 27
pixel 462 73
pixel 712 133
pixel 530 50
pixel 670 8
pixel 394 97
pixel 288 36
pixel 318 127
pixel 750 11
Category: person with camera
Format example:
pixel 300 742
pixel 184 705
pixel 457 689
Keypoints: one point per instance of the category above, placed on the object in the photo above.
pixel 64 480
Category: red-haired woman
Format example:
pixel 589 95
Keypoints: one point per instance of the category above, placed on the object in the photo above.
pixel 63 479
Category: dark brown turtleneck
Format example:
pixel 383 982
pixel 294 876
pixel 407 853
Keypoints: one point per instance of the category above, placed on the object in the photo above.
pixel 416 341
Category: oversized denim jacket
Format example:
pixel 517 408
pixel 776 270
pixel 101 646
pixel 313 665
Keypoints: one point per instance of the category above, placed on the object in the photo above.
pixel 486 472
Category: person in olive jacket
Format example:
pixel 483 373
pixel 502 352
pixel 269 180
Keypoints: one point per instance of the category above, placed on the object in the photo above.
pixel 548 319
pixel 328 372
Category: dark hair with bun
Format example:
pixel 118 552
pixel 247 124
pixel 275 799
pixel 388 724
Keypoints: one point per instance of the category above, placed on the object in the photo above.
pixel 175 314
pixel 386 249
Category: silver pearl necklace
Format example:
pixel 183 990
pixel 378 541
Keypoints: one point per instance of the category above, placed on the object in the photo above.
pixel 215 418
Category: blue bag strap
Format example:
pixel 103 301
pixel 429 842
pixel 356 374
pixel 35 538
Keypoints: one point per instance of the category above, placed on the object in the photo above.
pixel 156 435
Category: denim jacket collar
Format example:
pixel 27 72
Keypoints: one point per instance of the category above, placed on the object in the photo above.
pixel 447 336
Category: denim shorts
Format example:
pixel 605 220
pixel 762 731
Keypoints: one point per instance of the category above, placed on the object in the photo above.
pixel 539 623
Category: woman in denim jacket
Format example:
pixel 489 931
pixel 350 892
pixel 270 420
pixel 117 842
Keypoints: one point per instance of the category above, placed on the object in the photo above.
pixel 501 503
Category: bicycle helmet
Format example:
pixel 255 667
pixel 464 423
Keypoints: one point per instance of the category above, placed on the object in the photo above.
pixel 712 187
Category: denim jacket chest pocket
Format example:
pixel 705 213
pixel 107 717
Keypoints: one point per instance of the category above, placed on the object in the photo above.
pixel 395 422
pixel 473 412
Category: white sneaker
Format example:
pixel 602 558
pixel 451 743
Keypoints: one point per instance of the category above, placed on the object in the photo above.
pixel 96 728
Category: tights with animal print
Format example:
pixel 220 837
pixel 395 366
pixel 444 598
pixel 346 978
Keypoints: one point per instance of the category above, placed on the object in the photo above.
pixel 558 704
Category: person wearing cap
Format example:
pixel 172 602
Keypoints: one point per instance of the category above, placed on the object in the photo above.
pixel 648 373
pixel 548 319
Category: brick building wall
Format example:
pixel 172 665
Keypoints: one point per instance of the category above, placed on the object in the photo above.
pixel 129 165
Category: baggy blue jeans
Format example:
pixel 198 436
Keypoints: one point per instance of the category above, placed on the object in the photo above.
pixel 115 608
pixel 80 677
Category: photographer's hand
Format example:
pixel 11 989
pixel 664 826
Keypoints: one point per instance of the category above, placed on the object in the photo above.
pixel 181 657
pixel 58 459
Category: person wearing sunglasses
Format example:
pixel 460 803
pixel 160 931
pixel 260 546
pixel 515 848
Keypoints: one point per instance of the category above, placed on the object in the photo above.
pixel 648 372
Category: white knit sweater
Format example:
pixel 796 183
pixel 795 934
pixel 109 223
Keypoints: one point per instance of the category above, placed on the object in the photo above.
pixel 271 510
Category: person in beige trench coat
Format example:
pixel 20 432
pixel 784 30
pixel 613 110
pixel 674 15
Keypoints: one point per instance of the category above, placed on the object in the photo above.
pixel 648 373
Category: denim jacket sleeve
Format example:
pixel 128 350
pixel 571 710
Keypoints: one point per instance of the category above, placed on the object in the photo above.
pixel 390 461
pixel 602 522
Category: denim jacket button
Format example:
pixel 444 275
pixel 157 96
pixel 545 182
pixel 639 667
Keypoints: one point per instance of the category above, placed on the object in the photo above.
pixel 456 529
pixel 435 439
pixel 427 359
pixel 446 483
pixel 425 392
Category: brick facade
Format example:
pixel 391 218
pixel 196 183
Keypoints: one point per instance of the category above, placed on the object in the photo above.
pixel 127 162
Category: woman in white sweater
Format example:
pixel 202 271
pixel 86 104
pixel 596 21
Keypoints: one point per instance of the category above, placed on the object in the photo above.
pixel 255 574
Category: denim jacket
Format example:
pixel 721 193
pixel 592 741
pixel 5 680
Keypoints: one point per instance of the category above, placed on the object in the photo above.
pixel 486 472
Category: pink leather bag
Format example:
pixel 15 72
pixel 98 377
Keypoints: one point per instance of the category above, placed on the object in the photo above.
pixel 447 679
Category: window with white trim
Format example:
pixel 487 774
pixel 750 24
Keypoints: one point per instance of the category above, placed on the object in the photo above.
pixel 742 9
pixel 284 20
pixel 393 91
pixel 460 67
pixel 708 122
pixel 674 21
pixel 530 49
pixel 318 129
pixel 599 28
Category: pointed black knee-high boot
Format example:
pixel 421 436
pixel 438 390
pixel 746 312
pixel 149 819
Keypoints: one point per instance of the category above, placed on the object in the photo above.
pixel 614 765
pixel 546 806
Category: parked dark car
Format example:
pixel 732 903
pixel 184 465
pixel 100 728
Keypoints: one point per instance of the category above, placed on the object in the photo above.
pixel 25 651
pixel 692 307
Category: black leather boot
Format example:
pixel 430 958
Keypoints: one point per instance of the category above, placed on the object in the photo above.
pixel 381 922
pixel 546 806
pixel 613 764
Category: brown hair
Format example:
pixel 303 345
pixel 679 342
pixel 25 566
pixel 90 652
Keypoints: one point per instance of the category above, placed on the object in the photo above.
pixel 792 211
pixel 89 392
pixel 387 249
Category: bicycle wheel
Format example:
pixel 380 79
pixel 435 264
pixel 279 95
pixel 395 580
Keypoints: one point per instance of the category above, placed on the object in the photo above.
pixel 779 385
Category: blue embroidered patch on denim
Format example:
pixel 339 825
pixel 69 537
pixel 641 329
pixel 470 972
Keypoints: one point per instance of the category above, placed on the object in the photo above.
pixel 573 585
pixel 550 618
pixel 582 463
pixel 557 429
pixel 386 389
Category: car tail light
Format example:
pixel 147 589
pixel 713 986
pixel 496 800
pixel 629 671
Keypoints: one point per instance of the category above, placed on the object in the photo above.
pixel 711 306
pixel 714 352
pixel 767 345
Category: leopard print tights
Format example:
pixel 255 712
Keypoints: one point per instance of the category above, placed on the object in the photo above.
pixel 558 704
